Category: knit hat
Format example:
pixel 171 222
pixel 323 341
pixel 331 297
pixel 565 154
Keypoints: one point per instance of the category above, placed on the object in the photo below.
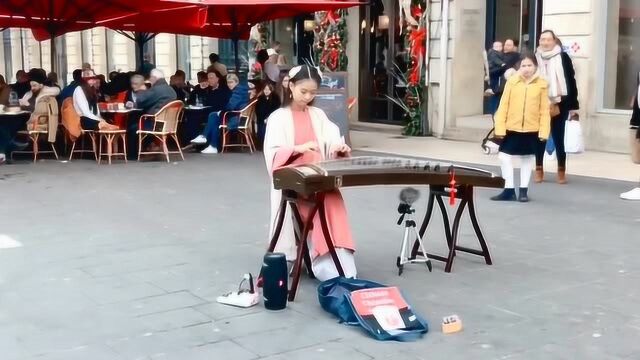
pixel 37 75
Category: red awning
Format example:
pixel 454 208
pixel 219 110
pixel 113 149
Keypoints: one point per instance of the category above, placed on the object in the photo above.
pixel 188 20
pixel 56 17
pixel 255 11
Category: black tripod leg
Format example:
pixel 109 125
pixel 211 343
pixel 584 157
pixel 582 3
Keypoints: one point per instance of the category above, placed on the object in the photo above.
pixel 424 226
pixel 476 226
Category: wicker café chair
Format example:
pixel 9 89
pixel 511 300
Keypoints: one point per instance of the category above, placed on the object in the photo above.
pixel 165 126
pixel 43 120
pixel 244 130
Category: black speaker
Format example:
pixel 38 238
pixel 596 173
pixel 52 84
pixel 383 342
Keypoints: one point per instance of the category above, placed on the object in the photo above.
pixel 275 281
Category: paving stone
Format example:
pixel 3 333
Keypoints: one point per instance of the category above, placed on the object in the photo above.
pixel 219 350
pixel 174 319
pixel 181 235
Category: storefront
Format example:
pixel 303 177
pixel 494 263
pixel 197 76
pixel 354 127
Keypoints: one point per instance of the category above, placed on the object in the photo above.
pixel 602 37
pixel 381 58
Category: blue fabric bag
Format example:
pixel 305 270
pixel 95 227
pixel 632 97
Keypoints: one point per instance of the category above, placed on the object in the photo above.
pixel 551 145
pixel 334 296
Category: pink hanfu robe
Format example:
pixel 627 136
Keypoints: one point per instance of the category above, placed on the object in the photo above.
pixel 286 129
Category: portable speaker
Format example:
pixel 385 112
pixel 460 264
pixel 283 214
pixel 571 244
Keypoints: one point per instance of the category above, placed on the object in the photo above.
pixel 275 281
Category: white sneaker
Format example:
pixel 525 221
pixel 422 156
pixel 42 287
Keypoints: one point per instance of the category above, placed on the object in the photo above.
pixel 200 139
pixel 631 195
pixel 209 150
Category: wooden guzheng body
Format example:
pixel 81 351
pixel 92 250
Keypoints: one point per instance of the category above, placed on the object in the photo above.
pixel 371 170
pixel 311 182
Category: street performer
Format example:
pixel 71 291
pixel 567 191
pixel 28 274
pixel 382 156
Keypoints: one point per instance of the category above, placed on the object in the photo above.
pixel 298 134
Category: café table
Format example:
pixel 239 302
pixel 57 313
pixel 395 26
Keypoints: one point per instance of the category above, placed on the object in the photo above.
pixel 10 123
pixel 129 116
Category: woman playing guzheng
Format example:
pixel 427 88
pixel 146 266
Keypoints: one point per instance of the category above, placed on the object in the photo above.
pixel 302 134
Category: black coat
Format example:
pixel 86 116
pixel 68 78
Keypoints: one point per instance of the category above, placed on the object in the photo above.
pixel 217 98
pixel 498 81
pixel 570 101
pixel 265 106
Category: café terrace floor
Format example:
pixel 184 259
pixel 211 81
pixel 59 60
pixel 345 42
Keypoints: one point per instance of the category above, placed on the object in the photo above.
pixel 125 262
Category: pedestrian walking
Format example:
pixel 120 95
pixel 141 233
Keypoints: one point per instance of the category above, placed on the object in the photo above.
pixel 521 123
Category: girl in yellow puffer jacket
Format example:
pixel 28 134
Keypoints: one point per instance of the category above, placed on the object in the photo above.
pixel 522 121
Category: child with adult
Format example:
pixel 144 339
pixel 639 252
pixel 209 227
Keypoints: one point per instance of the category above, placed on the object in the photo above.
pixel 522 122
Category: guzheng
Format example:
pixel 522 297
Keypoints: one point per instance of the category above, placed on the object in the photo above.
pixel 372 170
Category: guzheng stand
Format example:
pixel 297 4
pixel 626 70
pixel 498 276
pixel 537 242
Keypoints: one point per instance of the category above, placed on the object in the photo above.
pixel 301 231
pixel 465 195
pixel 436 194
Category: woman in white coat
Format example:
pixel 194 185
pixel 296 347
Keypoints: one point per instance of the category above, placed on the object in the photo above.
pixel 301 134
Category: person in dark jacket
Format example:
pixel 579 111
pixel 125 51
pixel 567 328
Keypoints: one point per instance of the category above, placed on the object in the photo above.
pixel 21 86
pixel 68 90
pixel 498 79
pixel 179 84
pixel 238 100
pixel 199 92
pixel 556 67
pixel 160 94
pixel 268 102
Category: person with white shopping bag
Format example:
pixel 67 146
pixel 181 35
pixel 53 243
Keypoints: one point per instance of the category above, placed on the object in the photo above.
pixel 556 67
pixel 573 139
pixel 634 142
pixel 521 124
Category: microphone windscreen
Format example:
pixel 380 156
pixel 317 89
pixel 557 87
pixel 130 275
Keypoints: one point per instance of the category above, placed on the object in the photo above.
pixel 409 195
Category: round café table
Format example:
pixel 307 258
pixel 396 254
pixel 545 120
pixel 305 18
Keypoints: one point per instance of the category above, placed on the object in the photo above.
pixel 10 124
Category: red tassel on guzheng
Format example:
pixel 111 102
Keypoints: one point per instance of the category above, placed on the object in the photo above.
pixel 452 191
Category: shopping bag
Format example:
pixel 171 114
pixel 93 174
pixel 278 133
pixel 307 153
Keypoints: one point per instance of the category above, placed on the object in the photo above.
pixel 380 310
pixel 573 139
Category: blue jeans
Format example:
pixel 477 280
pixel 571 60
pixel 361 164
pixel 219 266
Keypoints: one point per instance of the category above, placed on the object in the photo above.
pixel 211 131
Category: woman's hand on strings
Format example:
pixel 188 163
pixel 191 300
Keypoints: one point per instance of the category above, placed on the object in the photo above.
pixel 303 148
pixel 340 150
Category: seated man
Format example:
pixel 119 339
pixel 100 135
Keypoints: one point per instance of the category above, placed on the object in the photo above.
pixel 239 100
pixel 159 95
pixel 37 78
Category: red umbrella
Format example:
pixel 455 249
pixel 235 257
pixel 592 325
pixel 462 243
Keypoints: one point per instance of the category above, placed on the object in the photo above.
pixel 250 12
pixel 187 20
pixel 51 18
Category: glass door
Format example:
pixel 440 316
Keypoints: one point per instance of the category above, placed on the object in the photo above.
pixel 519 20
pixel 382 57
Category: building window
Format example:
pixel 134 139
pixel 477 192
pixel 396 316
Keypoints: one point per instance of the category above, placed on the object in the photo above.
pixel 226 51
pixel 622 55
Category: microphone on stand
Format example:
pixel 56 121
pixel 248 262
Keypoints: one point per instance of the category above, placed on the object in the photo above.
pixel 407 197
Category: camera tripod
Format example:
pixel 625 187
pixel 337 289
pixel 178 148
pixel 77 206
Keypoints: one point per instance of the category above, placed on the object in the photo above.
pixel 406 216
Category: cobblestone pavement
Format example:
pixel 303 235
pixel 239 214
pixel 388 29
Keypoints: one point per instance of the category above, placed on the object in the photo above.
pixel 125 262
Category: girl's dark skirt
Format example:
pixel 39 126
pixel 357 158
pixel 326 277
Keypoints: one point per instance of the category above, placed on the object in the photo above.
pixel 517 143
